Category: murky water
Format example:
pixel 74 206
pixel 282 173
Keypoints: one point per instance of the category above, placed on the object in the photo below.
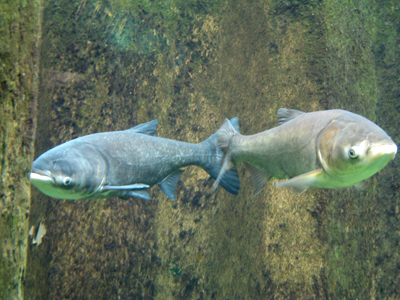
pixel 110 65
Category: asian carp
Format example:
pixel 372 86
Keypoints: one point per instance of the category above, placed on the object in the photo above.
pixel 125 164
pixel 322 149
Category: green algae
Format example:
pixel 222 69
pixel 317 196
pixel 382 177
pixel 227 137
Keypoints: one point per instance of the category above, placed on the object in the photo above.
pixel 19 42
pixel 351 32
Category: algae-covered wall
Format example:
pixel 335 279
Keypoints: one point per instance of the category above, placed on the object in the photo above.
pixel 19 61
pixel 109 65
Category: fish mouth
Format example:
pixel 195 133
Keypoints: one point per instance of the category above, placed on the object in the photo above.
pixel 389 149
pixel 41 176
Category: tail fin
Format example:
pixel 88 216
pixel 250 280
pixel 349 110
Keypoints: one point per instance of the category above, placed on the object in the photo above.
pixel 221 168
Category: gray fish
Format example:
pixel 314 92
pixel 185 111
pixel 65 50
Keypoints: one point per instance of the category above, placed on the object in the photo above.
pixel 322 149
pixel 125 164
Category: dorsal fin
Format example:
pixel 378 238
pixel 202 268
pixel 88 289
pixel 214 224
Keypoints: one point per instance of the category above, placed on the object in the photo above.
pixel 285 115
pixel 149 128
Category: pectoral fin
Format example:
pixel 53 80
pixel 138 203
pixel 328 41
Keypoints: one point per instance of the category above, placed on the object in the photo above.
pixel 139 193
pixel 135 186
pixel 132 190
pixel 302 182
pixel 168 185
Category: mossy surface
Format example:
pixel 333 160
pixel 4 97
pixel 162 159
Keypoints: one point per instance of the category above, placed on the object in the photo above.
pixel 358 233
pixel 109 65
pixel 19 54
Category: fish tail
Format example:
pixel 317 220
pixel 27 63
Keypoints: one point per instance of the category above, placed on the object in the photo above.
pixel 221 167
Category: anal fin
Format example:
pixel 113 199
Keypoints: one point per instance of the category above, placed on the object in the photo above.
pixel 260 177
pixel 226 166
pixel 168 185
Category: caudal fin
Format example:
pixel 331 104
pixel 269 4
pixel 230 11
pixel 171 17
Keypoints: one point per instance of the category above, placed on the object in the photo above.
pixel 221 168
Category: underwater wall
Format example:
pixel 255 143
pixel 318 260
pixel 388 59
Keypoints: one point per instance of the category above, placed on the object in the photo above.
pixel 110 65
pixel 20 26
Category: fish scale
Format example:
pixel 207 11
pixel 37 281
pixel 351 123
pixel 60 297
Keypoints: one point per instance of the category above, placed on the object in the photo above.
pixel 322 149
pixel 125 164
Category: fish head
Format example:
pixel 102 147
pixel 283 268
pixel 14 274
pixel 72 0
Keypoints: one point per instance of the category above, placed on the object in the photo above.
pixel 351 148
pixel 69 171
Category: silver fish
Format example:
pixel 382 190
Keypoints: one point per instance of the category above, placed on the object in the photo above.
pixel 322 149
pixel 125 164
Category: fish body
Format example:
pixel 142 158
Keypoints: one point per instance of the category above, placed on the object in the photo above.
pixel 124 164
pixel 322 149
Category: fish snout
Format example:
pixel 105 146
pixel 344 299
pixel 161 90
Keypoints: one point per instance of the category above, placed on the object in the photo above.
pixel 388 150
pixel 37 175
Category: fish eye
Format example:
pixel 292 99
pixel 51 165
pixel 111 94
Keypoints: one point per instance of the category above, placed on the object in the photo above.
pixel 67 181
pixel 353 153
